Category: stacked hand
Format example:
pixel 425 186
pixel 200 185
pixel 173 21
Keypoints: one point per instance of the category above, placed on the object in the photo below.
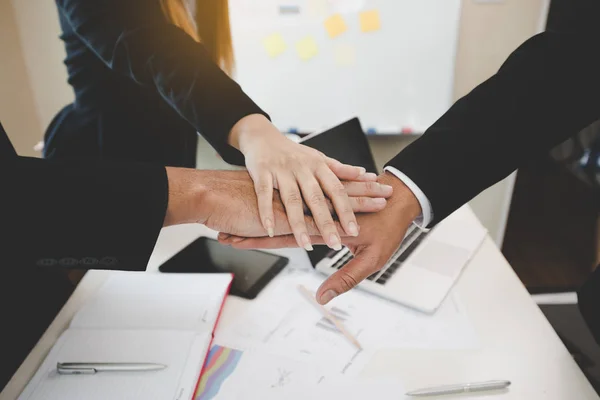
pixel 226 202
pixel 380 235
pixel 301 174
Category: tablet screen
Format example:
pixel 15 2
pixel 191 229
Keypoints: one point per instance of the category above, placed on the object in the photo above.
pixel 252 269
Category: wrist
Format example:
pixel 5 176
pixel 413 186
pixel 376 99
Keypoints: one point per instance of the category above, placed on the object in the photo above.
pixel 403 201
pixel 248 130
pixel 187 195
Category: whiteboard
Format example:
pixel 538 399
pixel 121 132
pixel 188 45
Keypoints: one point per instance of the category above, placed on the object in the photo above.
pixel 400 76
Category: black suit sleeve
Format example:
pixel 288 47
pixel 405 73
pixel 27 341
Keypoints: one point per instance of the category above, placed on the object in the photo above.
pixel 79 214
pixel 546 91
pixel 133 37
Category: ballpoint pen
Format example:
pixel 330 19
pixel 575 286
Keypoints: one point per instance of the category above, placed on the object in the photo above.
pixel 460 388
pixel 76 368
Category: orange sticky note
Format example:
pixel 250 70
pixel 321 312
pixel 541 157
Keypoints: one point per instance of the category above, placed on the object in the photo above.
pixel 274 45
pixel 335 25
pixel 307 48
pixel 369 21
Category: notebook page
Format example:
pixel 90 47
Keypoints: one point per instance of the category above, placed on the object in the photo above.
pixel 138 300
pixel 182 351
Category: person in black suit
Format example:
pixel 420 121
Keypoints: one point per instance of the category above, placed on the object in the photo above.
pixel 146 81
pixel 546 91
pixel 59 215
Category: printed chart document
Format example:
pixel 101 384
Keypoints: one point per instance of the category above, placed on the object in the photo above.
pixel 137 317
pixel 300 354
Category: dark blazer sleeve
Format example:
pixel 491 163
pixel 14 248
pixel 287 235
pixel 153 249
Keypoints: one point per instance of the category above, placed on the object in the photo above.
pixel 79 214
pixel 546 91
pixel 133 38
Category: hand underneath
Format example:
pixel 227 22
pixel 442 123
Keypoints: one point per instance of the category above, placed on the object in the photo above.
pixel 380 235
pixel 300 173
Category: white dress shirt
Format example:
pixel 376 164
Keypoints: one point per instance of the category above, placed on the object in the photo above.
pixel 426 216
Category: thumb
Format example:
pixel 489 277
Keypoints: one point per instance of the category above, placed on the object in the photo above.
pixel 365 263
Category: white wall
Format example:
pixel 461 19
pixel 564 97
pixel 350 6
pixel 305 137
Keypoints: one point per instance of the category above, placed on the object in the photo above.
pixel 44 53
pixel 489 31
pixel 17 107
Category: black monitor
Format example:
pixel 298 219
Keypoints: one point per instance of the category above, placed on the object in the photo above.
pixel 346 143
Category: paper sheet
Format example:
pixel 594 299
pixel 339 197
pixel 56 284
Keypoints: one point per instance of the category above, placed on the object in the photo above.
pixel 346 389
pixel 274 45
pixel 369 21
pixel 307 48
pixel 182 352
pixel 136 300
pixel 247 374
pixel 302 356
pixel 282 322
pixel 335 25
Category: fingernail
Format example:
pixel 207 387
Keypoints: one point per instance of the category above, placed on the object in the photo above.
pixel 352 228
pixel 237 239
pixel 328 296
pixel 387 189
pixel 362 171
pixel 306 242
pixel 379 201
pixel 371 175
pixel 334 242
pixel 269 225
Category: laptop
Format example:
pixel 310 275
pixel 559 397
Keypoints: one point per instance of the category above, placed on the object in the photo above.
pixel 427 264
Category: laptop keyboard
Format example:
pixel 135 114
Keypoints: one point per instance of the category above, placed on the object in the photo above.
pixel 409 244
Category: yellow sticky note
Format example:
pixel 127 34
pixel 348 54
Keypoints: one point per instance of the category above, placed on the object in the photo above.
pixel 335 25
pixel 274 45
pixel 369 21
pixel 345 55
pixel 307 48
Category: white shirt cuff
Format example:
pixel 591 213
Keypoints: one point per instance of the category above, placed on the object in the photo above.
pixel 426 216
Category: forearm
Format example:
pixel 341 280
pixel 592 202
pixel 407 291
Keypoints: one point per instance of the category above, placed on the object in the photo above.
pixel 82 214
pixel 187 197
pixel 243 132
pixel 134 39
pixel 545 92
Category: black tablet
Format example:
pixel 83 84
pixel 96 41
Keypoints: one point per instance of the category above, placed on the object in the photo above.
pixel 252 269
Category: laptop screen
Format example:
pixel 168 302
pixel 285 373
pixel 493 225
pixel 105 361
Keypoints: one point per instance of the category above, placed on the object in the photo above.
pixel 348 144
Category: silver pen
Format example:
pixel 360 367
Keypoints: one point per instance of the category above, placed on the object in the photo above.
pixel 460 388
pixel 77 368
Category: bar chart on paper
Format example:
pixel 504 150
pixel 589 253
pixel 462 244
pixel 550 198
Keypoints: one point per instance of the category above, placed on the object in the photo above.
pixel 327 325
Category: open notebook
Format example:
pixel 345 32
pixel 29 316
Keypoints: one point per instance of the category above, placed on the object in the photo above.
pixel 137 317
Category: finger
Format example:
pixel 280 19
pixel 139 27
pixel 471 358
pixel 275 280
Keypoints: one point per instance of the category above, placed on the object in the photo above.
pixel 277 242
pixel 366 262
pixel 349 172
pixel 337 193
pixel 223 236
pixel 263 187
pixel 292 201
pixel 367 189
pixel 315 200
pixel 367 204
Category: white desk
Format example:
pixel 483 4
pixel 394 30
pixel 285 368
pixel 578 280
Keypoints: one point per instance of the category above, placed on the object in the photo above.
pixel 517 342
